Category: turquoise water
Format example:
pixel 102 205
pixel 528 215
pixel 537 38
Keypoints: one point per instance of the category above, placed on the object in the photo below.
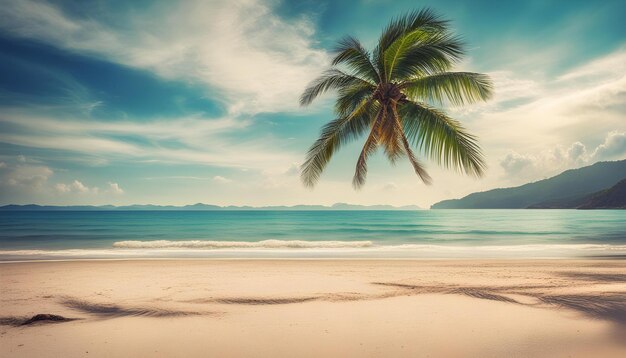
pixel 427 233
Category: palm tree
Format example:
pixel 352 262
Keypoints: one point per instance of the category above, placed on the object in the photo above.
pixel 392 93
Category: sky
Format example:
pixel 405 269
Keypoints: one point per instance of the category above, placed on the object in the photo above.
pixel 179 102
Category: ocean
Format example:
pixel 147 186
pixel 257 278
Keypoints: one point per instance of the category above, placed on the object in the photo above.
pixel 29 235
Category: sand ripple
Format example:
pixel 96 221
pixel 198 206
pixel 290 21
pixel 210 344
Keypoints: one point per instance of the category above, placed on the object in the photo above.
pixel 113 310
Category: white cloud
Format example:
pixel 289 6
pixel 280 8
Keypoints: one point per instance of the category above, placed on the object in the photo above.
pixel 577 153
pixel 114 188
pixel 63 188
pixel 586 102
pixel 76 187
pixel 27 177
pixel 519 167
pixel 221 179
pixel 280 177
pixel 601 68
pixel 199 140
pixel 294 169
pixel 514 163
pixel 178 177
pixel 538 126
pixel 509 87
pixel 613 147
pixel 27 180
pixel 258 61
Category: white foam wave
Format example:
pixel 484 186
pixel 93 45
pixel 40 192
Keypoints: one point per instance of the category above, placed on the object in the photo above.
pixel 369 245
pixel 312 249
pixel 265 244
pixel 514 248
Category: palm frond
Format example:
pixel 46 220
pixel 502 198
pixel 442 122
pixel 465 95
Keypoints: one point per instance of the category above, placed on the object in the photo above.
pixel 433 54
pixel 389 137
pixel 349 97
pixel 425 20
pixel 330 79
pixel 350 52
pixel 417 166
pixel 371 143
pixel 443 139
pixel 397 51
pixel 335 134
pixel 456 87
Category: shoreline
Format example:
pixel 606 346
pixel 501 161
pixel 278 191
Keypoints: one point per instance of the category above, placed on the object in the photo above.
pixel 331 259
pixel 295 249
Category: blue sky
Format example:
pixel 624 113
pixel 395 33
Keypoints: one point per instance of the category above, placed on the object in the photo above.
pixel 180 102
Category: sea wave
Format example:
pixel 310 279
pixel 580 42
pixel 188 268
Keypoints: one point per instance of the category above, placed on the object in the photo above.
pixel 265 244
pixel 367 245
pixel 313 249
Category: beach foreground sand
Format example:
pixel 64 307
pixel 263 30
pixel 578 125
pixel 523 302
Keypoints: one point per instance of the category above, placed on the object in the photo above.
pixel 300 308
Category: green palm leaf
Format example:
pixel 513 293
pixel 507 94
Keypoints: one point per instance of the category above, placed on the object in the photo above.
pixel 390 138
pixel 330 79
pixel 417 166
pixel 350 52
pixel 457 87
pixel 369 148
pixel 442 138
pixel 433 54
pixel 335 134
pixel 350 97
pixel 424 20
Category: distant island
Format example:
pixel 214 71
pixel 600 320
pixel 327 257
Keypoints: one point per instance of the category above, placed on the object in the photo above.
pixel 203 207
pixel 612 198
pixel 598 186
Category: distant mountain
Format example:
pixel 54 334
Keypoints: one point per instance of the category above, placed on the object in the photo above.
pixel 561 203
pixel 612 198
pixel 571 187
pixel 203 207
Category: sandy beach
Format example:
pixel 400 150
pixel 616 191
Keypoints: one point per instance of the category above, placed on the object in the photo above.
pixel 306 308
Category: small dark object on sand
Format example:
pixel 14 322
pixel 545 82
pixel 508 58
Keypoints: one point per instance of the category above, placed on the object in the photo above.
pixel 46 317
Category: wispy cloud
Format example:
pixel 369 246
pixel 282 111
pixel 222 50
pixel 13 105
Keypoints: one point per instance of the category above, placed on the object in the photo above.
pixel 193 139
pixel 75 187
pixel 522 167
pixel 539 125
pixel 25 177
pixel 614 146
pixel 22 181
pixel 222 180
pixel 258 61
pixel 582 105
pixel 115 189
